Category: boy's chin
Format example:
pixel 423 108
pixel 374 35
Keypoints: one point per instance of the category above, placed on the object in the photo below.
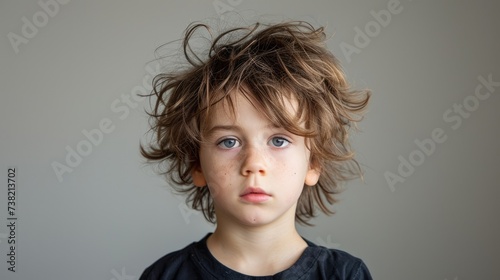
pixel 261 220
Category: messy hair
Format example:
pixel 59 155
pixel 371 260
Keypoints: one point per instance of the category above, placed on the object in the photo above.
pixel 267 64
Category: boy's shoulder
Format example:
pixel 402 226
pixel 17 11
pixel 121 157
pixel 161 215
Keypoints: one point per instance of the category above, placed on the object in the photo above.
pixel 173 265
pixel 317 262
pixel 331 263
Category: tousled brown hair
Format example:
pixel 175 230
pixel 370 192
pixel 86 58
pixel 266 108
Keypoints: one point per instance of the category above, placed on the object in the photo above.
pixel 268 64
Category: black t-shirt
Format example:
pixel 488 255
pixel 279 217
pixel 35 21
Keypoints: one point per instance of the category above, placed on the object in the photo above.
pixel 316 262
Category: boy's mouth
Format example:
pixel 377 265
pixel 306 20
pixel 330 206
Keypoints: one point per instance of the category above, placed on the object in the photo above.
pixel 251 190
pixel 254 195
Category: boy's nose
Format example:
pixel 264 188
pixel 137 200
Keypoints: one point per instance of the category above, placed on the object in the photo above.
pixel 254 162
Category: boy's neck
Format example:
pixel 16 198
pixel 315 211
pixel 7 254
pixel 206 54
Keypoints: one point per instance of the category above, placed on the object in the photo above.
pixel 256 251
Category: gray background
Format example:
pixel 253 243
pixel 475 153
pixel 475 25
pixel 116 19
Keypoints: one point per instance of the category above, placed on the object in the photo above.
pixel 112 216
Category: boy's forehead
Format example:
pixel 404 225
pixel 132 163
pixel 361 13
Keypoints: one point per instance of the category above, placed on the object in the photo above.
pixel 230 109
pixel 226 111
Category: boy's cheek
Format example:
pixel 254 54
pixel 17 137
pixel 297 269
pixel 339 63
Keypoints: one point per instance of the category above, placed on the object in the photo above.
pixel 214 192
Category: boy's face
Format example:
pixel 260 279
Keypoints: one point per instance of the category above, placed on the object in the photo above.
pixel 254 170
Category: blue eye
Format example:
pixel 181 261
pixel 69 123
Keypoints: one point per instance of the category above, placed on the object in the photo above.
pixel 279 142
pixel 228 143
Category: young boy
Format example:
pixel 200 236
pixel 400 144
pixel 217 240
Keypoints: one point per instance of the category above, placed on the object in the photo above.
pixel 256 135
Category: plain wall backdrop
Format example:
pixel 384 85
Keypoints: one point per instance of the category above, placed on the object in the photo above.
pixel 87 206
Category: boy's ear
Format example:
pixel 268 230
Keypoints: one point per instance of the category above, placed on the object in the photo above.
pixel 312 176
pixel 314 172
pixel 198 177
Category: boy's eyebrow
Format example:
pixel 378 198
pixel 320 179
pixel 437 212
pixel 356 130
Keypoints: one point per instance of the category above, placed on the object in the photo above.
pixel 213 129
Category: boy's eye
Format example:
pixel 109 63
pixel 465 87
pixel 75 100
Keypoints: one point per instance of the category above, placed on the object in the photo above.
pixel 228 143
pixel 279 142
